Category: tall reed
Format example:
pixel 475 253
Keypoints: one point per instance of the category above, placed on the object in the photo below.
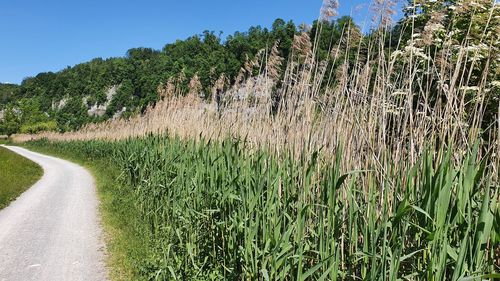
pixel 215 211
pixel 382 100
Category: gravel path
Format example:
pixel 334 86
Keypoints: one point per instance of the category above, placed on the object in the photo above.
pixel 52 231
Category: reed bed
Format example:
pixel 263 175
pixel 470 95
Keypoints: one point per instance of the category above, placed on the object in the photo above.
pixel 215 211
pixel 382 103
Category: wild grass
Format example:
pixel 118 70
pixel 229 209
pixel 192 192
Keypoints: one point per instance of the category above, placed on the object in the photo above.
pixel 16 175
pixel 215 211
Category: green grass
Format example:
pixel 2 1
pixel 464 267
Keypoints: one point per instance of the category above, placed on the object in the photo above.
pixel 16 175
pixel 185 210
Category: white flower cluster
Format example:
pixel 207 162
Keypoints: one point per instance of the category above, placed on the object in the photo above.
pixel 410 51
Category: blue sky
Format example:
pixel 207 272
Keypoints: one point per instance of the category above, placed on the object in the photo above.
pixel 48 35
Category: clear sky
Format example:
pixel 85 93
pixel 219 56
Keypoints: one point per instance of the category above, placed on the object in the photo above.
pixel 48 35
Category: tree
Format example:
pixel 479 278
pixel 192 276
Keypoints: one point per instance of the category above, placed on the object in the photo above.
pixel 11 122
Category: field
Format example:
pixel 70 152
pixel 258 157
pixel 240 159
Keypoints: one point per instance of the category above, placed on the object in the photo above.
pixel 16 175
pixel 376 160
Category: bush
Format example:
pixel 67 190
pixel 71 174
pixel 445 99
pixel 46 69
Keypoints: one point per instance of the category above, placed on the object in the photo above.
pixel 49 126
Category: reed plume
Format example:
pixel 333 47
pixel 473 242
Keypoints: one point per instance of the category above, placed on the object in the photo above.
pixel 329 9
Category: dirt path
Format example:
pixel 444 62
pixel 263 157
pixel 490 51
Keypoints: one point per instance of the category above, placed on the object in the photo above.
pixel 52 231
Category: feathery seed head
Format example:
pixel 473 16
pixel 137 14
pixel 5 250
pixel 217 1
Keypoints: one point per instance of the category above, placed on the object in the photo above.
pixel 329 9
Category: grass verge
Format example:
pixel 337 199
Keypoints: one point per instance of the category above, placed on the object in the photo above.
pixel 16 175
pixel 116 209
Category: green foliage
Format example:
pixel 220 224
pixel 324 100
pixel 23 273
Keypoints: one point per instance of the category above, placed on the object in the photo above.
pixel 123 98
pixel 49 126
pixel 214 211
pixel 329 35
pixel 10 123
pixel 26 116
pixel 8 93
pixel 30 112
pixel 72 115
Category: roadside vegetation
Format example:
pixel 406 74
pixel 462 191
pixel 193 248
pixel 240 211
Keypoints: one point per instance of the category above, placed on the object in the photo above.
pixel 354 157
pixel 190 210
pixel 16 175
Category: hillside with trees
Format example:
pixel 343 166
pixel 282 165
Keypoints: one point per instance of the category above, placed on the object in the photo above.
pixel 66 96
pixel 69 96
pixel 8 93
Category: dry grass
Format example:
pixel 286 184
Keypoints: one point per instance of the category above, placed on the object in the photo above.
pixel 382 105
